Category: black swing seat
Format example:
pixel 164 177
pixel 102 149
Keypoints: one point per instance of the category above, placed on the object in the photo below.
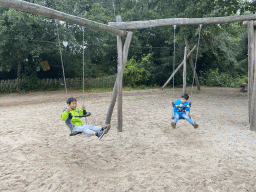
pixel 183 108
pixel 73 133
pixel 86 115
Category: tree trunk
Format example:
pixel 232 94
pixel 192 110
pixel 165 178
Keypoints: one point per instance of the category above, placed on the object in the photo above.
pixel 19 66
pixel 18 71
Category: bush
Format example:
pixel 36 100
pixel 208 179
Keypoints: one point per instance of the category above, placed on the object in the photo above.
pixel 135 74
pixel 214 78
pixel 29 83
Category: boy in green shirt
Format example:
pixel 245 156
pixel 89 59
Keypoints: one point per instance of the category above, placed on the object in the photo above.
pixel 76 125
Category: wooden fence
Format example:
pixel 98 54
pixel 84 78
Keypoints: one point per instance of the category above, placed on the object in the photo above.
pixel 15 85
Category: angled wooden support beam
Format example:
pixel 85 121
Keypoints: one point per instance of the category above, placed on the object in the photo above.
pixel 51 13
pixel 176 70
pixel 115 90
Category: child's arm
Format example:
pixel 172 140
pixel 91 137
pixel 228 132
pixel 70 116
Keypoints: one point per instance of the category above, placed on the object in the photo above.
pixel 176 103
pixel 65 113
pixel 81 112
pixel 84 111
pixel 188 107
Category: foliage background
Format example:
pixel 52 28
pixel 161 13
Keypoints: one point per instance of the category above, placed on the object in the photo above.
pixel 28 39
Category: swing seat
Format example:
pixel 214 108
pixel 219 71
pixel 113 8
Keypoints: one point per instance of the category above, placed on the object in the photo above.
pixel 73 133
pixel 86 115
pixel 183 109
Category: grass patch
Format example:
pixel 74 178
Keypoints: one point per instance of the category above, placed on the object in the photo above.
pixel 134 99
pixel 142 87
pixel 80 91
pixel 110 89
pixel 197 91
pixel 100 102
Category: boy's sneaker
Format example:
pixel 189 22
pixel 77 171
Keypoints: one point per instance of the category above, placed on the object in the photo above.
pixel 173 125
pixel 99 133
pixel 195 125
pixel 106 128
pixel 103 133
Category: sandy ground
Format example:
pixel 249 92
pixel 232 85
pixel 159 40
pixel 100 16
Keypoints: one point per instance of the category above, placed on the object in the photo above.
pixel 37 153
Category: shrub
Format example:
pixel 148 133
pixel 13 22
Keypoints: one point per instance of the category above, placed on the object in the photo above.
pixel 29 82
pixel 214 78
pixel 135 74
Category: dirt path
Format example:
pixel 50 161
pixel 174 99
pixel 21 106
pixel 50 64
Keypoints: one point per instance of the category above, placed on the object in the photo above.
pixel 37 153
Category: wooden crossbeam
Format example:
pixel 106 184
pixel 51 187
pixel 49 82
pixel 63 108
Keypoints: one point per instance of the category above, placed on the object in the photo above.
pixel 51 13
pixel 181 21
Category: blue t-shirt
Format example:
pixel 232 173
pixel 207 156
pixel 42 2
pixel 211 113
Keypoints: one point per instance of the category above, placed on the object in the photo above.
pixel 180 110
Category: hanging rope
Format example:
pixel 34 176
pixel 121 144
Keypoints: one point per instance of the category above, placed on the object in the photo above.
pixel 61 57
pixel 83 73
pixel 83 62
pixel 194 73
pixel 173 66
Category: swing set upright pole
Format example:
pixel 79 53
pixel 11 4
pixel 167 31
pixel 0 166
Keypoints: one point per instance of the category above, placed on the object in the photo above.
pixel 184 71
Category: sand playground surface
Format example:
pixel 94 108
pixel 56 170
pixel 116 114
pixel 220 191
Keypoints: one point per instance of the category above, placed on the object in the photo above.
pixel 37 153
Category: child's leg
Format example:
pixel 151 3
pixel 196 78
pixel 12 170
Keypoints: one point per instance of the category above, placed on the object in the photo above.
pixel 91 127
pixel 185 116
pixel 175 120
pixel 176 117
pixel 87 129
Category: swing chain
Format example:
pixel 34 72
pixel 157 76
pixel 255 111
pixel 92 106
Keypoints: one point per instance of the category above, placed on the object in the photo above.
pixel 173 66
pixel 194 72
pixel 61 56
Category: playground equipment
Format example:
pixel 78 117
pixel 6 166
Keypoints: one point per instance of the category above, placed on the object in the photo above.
pixel 117 29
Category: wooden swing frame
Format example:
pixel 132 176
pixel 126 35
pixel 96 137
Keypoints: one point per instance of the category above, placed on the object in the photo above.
pixel 117 28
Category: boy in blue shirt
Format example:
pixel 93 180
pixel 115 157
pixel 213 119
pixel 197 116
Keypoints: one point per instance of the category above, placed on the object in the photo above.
pixel 180 108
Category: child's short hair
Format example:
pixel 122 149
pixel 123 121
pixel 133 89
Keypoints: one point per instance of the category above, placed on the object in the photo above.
pixel 185 96
pixel 70 100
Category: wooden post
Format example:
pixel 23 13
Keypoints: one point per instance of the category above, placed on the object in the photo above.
pixel 253 84
pixel 192 66
pixel 176 70
pixel 184 72
pixel 250 29
pixel 119 80
pixel 114 93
